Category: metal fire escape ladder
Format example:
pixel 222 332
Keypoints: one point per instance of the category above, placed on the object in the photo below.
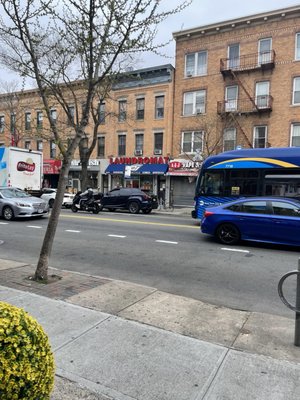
pixel 245 90
pixel 241 129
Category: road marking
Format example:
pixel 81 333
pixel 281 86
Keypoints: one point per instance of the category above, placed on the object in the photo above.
pixel 129 221
pixel 3 223
pixel 166 241
pixel 237 250
pixel 34 226
pixel 117 236
pixel 72 230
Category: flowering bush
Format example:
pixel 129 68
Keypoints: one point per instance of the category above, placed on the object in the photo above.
pixel 26 360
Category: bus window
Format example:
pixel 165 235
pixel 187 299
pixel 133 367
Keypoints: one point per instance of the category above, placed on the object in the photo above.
pixel 212 183
pixel 243 183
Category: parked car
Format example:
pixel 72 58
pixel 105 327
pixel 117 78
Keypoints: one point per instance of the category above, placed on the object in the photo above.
pixel 129 199
pixel 260 219
pixel 15 203
pixel 50 194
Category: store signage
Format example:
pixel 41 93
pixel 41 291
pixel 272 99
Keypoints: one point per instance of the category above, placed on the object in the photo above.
pixel 92 163
pixel 183 167
pixel 175 164
pixel 51 166
pixel 139 160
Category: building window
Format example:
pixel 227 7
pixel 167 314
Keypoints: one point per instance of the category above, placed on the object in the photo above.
pixel 139 144
pixel 262 90
pixel 101 146
pixel 192 142
pixel 27 121
pixel 233 56
pixel 140 108
pixel 122 145
pixel 264 51
pixel 196 64
pixel 260 137
pixel 27 144
pixel 229 139
pixel 12 123
pixel 39 145
pixel 297 47
pixel 39 120
pixel 101 111
pixel 71 117
pixel 52 149
pixel 2 123
pixel 194 102
pixel 53 116
pixel 122 110
pixel 158 143
pixel 295 135
pixel 296 91
pixel 159 107
pixel 231 98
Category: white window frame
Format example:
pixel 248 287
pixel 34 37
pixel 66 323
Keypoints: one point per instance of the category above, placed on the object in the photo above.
pixel 2 123
pixel 231 104
pixel 262 94
pixel 297 46
pixel 255 131
pixel 197 108
pixel 225 132
pixel 296 79
pixel 193 134
pixel 264 57
pixel 296 124
pixel 235 61
pixel 196 70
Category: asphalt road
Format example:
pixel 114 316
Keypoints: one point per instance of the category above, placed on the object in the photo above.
pixel 166 252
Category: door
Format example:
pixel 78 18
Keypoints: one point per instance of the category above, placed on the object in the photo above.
pixel 233 56
pixel 264 51
pixel 231 98
pixel 262 90
pixel 286 224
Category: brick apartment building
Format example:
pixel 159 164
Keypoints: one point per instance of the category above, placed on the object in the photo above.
pixel 237 85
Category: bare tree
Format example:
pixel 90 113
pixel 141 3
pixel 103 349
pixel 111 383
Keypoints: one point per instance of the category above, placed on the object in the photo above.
pixel 69 48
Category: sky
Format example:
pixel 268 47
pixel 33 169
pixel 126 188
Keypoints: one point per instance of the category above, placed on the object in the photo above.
pixel 199 13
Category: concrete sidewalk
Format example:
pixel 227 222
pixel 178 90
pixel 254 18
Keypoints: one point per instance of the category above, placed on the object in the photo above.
pixel 117 340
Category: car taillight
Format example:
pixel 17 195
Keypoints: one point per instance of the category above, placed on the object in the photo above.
pixel 207 213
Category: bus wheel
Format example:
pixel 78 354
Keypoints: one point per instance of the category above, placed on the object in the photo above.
pixel 228 234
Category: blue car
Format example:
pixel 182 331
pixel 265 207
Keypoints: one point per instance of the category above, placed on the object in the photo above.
pixel 259 219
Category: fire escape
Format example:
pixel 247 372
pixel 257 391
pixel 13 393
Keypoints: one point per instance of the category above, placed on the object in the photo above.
pixel 231 110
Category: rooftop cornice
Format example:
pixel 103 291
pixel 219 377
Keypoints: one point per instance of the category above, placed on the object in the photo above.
pixel 218 27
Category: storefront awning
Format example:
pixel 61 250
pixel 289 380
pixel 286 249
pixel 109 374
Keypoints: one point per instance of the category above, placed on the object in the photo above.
pixel 156 169
pixel 115 169
pixel 144 169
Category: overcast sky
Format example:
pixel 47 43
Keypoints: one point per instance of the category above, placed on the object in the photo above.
pixel 199 13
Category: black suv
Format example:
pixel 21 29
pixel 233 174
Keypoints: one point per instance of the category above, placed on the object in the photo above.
pixel 132 200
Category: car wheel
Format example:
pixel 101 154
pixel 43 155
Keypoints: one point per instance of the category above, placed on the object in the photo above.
pixel 228 234
pixel 147 211
pixel 51 202
pixel 133 207
pixel 74 208
pixel 8 213
pixel 96 209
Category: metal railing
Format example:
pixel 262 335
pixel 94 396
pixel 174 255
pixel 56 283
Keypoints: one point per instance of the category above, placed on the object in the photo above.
pixel 264 60
pixel 295 308
pixel 259 104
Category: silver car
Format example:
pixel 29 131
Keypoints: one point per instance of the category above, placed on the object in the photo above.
pixel 15 203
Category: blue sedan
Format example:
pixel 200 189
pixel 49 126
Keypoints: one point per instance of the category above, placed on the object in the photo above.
pixel 260 219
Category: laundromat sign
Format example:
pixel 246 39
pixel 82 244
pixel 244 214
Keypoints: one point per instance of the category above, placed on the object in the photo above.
pixel 139 160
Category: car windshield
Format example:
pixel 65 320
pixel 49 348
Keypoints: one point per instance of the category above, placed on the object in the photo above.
pixel 12 193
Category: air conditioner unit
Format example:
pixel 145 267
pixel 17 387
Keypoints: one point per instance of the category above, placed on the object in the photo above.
pixel 189 73
pixel 138 152
pixel 157 151
pixel 199 111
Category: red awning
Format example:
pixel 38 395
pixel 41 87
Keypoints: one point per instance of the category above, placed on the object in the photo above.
pixel 51 167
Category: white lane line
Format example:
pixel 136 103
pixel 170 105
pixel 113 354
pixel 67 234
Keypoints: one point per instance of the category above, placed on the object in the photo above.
pixel 72 230
pixel 117 236
pixel 3 223
pixel 166 241
pixel 237 250
pixel 34 226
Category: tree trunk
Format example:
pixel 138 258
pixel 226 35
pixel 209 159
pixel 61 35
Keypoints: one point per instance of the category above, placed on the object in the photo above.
pixel 41 273
pixel 84 174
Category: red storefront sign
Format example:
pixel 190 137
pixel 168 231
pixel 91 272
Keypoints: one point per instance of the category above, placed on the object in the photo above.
pixel 51 167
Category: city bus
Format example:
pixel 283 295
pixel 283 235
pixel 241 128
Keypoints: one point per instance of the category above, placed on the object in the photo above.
pixel 247 172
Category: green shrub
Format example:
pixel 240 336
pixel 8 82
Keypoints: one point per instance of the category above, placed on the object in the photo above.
pixel 26 360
